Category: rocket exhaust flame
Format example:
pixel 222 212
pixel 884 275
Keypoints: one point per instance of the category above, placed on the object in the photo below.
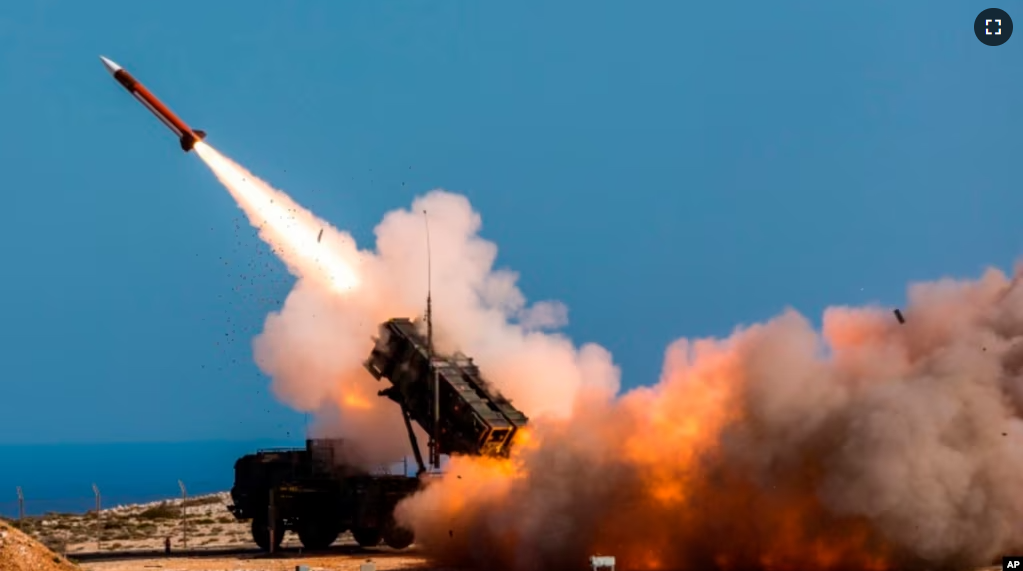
pixel 872 444
pixel 293 232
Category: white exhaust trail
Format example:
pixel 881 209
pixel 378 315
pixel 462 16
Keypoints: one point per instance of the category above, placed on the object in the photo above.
pixel 293 232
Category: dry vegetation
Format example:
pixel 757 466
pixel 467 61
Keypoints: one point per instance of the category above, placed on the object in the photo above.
pixel 142 527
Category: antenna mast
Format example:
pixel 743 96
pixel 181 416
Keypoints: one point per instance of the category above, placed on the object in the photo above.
pixel 434 438
pixel 429 289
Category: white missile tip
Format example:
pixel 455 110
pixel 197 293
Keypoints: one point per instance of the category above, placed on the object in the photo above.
pixel 111 66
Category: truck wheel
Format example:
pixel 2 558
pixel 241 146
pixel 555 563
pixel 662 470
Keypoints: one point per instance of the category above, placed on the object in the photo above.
pixel 398 537
pixel 366 536
pixel 261 533
pixel 316 536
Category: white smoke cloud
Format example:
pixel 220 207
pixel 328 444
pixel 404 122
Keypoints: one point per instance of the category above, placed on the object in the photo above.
pixel 314 347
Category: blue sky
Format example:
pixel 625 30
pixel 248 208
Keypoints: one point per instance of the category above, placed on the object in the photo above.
pixel 666 169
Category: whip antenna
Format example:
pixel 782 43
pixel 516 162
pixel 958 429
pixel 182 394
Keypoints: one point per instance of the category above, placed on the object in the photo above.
pixel 429 288
pixel 435 438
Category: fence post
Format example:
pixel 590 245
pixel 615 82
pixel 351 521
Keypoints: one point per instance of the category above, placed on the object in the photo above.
pixel 99 529
pixel 21 506
pixel 184 514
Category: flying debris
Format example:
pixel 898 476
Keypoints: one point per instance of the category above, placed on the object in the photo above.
pixel 188 136
pixel 320 236
pixel 898 315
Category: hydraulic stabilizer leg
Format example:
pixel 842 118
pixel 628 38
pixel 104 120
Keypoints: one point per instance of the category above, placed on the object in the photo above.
pixel 412 439
pixel 393 394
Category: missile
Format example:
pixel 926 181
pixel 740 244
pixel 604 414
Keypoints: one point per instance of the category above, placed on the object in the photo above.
pixel 188 136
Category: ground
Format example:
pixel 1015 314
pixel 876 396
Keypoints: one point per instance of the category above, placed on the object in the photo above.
pixel 335 561
pixel 132 538
pixel 19 552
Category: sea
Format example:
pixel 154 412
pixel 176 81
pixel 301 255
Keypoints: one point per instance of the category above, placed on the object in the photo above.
pixel 60 477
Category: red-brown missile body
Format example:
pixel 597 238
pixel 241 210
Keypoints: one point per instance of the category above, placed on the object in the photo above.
pixel 186 134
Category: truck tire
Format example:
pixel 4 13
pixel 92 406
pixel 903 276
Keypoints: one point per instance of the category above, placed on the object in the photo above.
pixel 316 535
pixel 366 536
pixel 398 537
pixel 261 533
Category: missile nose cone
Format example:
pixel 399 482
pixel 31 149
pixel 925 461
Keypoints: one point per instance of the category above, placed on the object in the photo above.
pixel 111 66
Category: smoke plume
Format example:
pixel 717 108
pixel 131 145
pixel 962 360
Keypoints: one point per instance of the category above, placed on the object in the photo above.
pixel 869 444
pixel 313 348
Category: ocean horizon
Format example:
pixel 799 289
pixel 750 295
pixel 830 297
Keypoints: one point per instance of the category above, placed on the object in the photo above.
pixel 59 477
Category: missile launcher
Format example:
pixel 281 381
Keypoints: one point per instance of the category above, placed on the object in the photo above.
pixel 317 492
pixel 469 417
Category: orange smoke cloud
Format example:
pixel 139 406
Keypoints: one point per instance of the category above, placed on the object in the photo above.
pixel 867 445
pixel 873 445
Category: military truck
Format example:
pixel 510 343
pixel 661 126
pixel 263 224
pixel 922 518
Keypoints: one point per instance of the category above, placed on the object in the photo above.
pixel 316 493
